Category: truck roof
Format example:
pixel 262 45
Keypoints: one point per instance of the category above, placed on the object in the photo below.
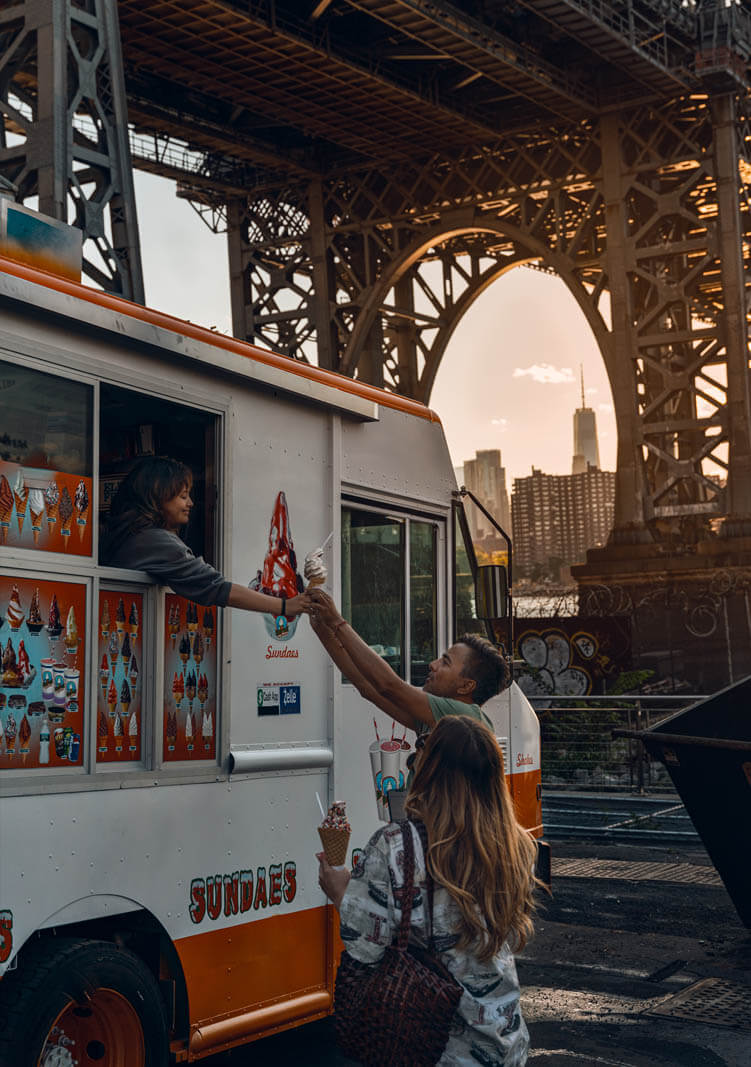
pixel 319 382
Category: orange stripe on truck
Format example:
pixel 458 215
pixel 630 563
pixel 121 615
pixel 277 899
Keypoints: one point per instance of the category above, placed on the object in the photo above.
pixel 255 977
pixel 218 340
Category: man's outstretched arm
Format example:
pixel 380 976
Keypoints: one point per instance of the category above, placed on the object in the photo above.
pixel 370 674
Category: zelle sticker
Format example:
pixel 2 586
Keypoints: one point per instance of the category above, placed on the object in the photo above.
pixel 279 698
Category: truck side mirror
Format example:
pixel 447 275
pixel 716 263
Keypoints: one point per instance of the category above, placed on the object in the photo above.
pixel 491 591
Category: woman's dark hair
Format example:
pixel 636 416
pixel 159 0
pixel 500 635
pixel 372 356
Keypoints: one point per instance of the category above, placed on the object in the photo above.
pixel 138 503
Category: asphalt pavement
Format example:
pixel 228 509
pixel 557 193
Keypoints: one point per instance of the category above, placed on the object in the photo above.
pixel 639 960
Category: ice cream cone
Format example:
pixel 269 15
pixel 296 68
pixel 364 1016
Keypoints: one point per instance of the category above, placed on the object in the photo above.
pixel 65 531
pixel 36 525
pixel 334 844
pixel 51 514
pixel 112 706
pixel 22 500
pixel 4 527
pixel 316 582
pixel 81 523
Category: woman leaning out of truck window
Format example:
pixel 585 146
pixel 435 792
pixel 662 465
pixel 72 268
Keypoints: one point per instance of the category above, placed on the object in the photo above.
pixel 151 506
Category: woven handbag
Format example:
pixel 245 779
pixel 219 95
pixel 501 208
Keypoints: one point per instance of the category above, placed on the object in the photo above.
pixel 398 1012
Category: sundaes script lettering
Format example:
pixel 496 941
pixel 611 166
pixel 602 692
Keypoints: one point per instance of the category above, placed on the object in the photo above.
pixel 281 653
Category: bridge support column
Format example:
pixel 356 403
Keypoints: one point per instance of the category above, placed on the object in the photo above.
pixel 65 130
pixel 733 315
pixel 629 485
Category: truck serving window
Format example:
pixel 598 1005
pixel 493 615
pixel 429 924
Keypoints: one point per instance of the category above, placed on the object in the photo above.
pixel 46 460
pixel 389 575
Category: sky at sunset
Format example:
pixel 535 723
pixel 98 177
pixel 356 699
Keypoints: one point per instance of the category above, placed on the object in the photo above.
pixel 510 375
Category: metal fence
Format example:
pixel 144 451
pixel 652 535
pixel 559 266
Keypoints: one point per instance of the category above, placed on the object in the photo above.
pixel 580 753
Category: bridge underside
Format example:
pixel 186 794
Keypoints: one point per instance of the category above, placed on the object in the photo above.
pixel 378 163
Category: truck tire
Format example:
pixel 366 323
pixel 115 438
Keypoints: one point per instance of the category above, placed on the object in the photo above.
pixel 81 1002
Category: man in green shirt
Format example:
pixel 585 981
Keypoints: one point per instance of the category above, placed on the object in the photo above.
pixel 459 681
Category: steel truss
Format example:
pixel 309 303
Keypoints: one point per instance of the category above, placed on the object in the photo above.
pixel 64 137
pixel 643 214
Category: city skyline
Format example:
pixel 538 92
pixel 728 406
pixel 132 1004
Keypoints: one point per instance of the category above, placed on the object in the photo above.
pixel 526 334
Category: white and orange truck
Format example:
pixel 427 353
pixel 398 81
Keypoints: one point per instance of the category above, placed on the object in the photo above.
pixel 159 761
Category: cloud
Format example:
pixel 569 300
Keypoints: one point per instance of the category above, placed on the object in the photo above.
pixel 606 409
pixel 545 374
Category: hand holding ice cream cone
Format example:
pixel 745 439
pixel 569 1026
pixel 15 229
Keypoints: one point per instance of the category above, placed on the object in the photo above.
pixel 334 833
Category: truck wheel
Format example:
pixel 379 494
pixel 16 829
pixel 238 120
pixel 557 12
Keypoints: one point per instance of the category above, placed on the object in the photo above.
pixel 86 1003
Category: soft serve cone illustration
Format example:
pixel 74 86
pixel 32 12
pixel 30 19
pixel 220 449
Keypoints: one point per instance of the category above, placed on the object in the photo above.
pixel 279 576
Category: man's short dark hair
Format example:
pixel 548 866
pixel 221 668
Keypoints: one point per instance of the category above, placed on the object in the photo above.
pixel 486 666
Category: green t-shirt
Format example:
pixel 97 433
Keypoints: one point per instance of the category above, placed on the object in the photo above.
pixel 441 706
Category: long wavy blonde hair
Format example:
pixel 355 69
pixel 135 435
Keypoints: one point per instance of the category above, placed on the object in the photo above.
pixel 476 849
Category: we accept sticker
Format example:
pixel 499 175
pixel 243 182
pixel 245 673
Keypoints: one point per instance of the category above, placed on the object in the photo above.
pixel 279 698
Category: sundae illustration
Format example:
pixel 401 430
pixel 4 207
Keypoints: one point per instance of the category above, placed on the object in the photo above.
pixel 24 736
pixel 125 697
pixel 120 616
pixel 104 673
pixel 25 669
pixel 132 731
pixel 113 648
pixel 190 688
pixel 54 626
pixel 197 648
pixel 133 619
pixel 173 622
pixel 103 732
pixel 184 648
pixel 15 613
pixel 207 729
pixel 334 833
pixel 11 675
pixel 51 503
pixel 34 620
pixel 66 515
pixel 6 508
pixel 21 497
pixel 279 576
pixel 203 689
pixel 171 730
pixel 117 732
pixel 71 633
pixel 10 734
pixel 133 672
pixel 81 503
pixel 125 650
pixel 36 511
pixel 112 698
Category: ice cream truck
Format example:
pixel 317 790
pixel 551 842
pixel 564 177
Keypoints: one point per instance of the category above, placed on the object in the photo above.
pixel 160 760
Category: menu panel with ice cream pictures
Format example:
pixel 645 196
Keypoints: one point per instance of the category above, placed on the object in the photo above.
pixel 120 658
pixel 43 677
pixel 190 680
pixel 46 510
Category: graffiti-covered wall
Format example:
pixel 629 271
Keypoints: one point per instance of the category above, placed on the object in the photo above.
pixel 571 656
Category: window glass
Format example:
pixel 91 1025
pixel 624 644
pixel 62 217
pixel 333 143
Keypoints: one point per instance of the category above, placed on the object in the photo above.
pixel 46 457
pixel 422 594
pixel 373 581
pixel 465 619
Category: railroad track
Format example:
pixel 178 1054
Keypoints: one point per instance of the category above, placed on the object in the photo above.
pixel 611 817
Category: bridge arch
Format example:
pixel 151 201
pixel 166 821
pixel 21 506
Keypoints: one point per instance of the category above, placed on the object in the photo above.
pixel 406 267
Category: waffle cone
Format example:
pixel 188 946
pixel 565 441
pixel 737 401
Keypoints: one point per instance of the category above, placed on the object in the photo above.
pixel 314 582
pixel 334 845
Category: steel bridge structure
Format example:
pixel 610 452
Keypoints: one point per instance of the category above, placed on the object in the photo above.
pixel 377 164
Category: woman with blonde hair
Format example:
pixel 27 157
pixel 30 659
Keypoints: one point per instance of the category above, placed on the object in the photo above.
pixel 480 861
